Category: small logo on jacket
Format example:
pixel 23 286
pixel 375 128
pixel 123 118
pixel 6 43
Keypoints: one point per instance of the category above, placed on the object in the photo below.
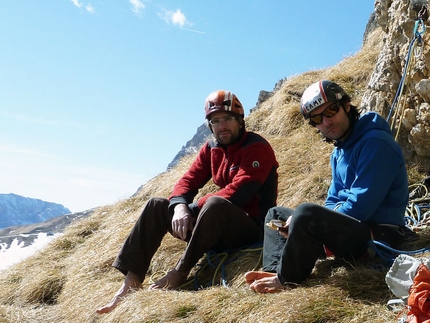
pixel 255 164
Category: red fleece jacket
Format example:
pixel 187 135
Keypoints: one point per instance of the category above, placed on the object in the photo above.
pixel 246 173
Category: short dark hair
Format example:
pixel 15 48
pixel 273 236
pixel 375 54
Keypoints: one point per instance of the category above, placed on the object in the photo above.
pixel 354 111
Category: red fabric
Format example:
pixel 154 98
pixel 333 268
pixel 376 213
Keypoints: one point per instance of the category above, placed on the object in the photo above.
pixel 328 252
pixel 419 311
pixel 239 170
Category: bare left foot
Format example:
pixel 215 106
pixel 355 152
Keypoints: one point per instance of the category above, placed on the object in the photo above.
pixel 264 282
pixel 131 282
pixel 172 280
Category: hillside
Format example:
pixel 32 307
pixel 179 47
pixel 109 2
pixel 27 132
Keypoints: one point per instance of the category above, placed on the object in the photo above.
pixel 69 279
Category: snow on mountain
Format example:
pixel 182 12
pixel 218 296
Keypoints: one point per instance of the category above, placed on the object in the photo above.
pixel 17 251
pixel 20 242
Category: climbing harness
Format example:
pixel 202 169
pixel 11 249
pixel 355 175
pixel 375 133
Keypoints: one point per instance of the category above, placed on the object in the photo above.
pixel 397 110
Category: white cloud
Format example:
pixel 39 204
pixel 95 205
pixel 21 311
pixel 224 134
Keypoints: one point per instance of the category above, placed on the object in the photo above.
pixel 137 6
pixel 77 3
pixel 176 18
pixel 90 8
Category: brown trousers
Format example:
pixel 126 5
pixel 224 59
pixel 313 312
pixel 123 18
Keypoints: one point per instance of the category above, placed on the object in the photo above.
pixel 220 224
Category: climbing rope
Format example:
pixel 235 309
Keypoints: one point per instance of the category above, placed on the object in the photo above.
pixel 415 219
pixel 220 260
pixel 397 110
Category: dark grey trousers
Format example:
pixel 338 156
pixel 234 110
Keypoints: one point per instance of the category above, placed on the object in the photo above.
pixel 312 227
pixel 219 224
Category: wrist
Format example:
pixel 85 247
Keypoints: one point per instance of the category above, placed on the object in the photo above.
pixel 180 207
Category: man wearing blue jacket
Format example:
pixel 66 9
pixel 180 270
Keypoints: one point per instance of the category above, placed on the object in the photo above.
pixel 366 200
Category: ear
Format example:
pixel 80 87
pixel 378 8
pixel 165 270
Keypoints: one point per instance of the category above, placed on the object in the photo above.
pixel 209 126
pixel 347 106
pixel 240 121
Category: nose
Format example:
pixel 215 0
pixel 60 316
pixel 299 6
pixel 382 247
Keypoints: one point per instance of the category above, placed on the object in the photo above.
pixel 327 121
pixel 222 124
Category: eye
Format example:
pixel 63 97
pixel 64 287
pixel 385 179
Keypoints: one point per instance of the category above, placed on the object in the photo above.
pixel 316 119
pixel 331 111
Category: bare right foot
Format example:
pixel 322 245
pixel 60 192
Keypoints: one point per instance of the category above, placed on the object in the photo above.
pixel 172 280
pixel 264 282
pixel 131 282
pixel 252 276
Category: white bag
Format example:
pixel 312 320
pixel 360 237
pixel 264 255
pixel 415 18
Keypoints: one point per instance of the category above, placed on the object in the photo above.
pixel 401 275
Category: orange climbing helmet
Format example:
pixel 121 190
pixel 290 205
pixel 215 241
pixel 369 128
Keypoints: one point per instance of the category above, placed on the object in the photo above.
pixel 223 101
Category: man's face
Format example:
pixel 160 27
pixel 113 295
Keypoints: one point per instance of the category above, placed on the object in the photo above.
pixel 225 126
pixel 334 127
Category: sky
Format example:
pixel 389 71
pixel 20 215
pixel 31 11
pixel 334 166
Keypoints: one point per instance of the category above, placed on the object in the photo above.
pixel 97 97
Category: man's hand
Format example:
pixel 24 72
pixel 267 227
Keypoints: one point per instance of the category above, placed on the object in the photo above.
pixel 283 231
pixel 182 221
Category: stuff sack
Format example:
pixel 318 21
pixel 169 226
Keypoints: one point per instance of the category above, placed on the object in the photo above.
pixel 409 280
pixel 401 275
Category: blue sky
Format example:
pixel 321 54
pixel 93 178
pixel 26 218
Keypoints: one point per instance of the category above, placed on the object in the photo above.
pixel 97 97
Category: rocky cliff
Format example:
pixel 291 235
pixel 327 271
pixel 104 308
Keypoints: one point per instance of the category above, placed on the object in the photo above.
pixel 192 146
pixel 399 87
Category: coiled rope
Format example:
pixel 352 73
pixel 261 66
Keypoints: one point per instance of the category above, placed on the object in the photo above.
pixel 220 260
pixel 415 219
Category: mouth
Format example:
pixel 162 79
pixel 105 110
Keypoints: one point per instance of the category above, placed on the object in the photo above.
pixel 224 134
pixel 332 129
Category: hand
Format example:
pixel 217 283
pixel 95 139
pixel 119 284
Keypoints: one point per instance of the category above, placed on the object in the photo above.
pixel 182 221
pixel 283 231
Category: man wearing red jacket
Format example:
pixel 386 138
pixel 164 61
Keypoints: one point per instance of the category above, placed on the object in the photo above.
pixel 242 164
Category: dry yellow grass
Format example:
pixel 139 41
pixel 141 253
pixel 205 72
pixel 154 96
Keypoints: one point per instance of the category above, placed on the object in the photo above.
pixel 70 278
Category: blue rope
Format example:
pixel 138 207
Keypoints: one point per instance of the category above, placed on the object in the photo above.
pixel 409 219
pixel 213 260
pixel 211 253
pixel 388 254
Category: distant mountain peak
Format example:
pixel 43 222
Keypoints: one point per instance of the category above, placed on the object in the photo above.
pixel 19 210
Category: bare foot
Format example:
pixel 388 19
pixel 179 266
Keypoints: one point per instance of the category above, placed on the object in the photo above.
pixel 172 280
pixel 264 282
pixel 130 283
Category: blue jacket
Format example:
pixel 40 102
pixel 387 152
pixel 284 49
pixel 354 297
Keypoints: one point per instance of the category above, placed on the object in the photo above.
pixel 369 179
